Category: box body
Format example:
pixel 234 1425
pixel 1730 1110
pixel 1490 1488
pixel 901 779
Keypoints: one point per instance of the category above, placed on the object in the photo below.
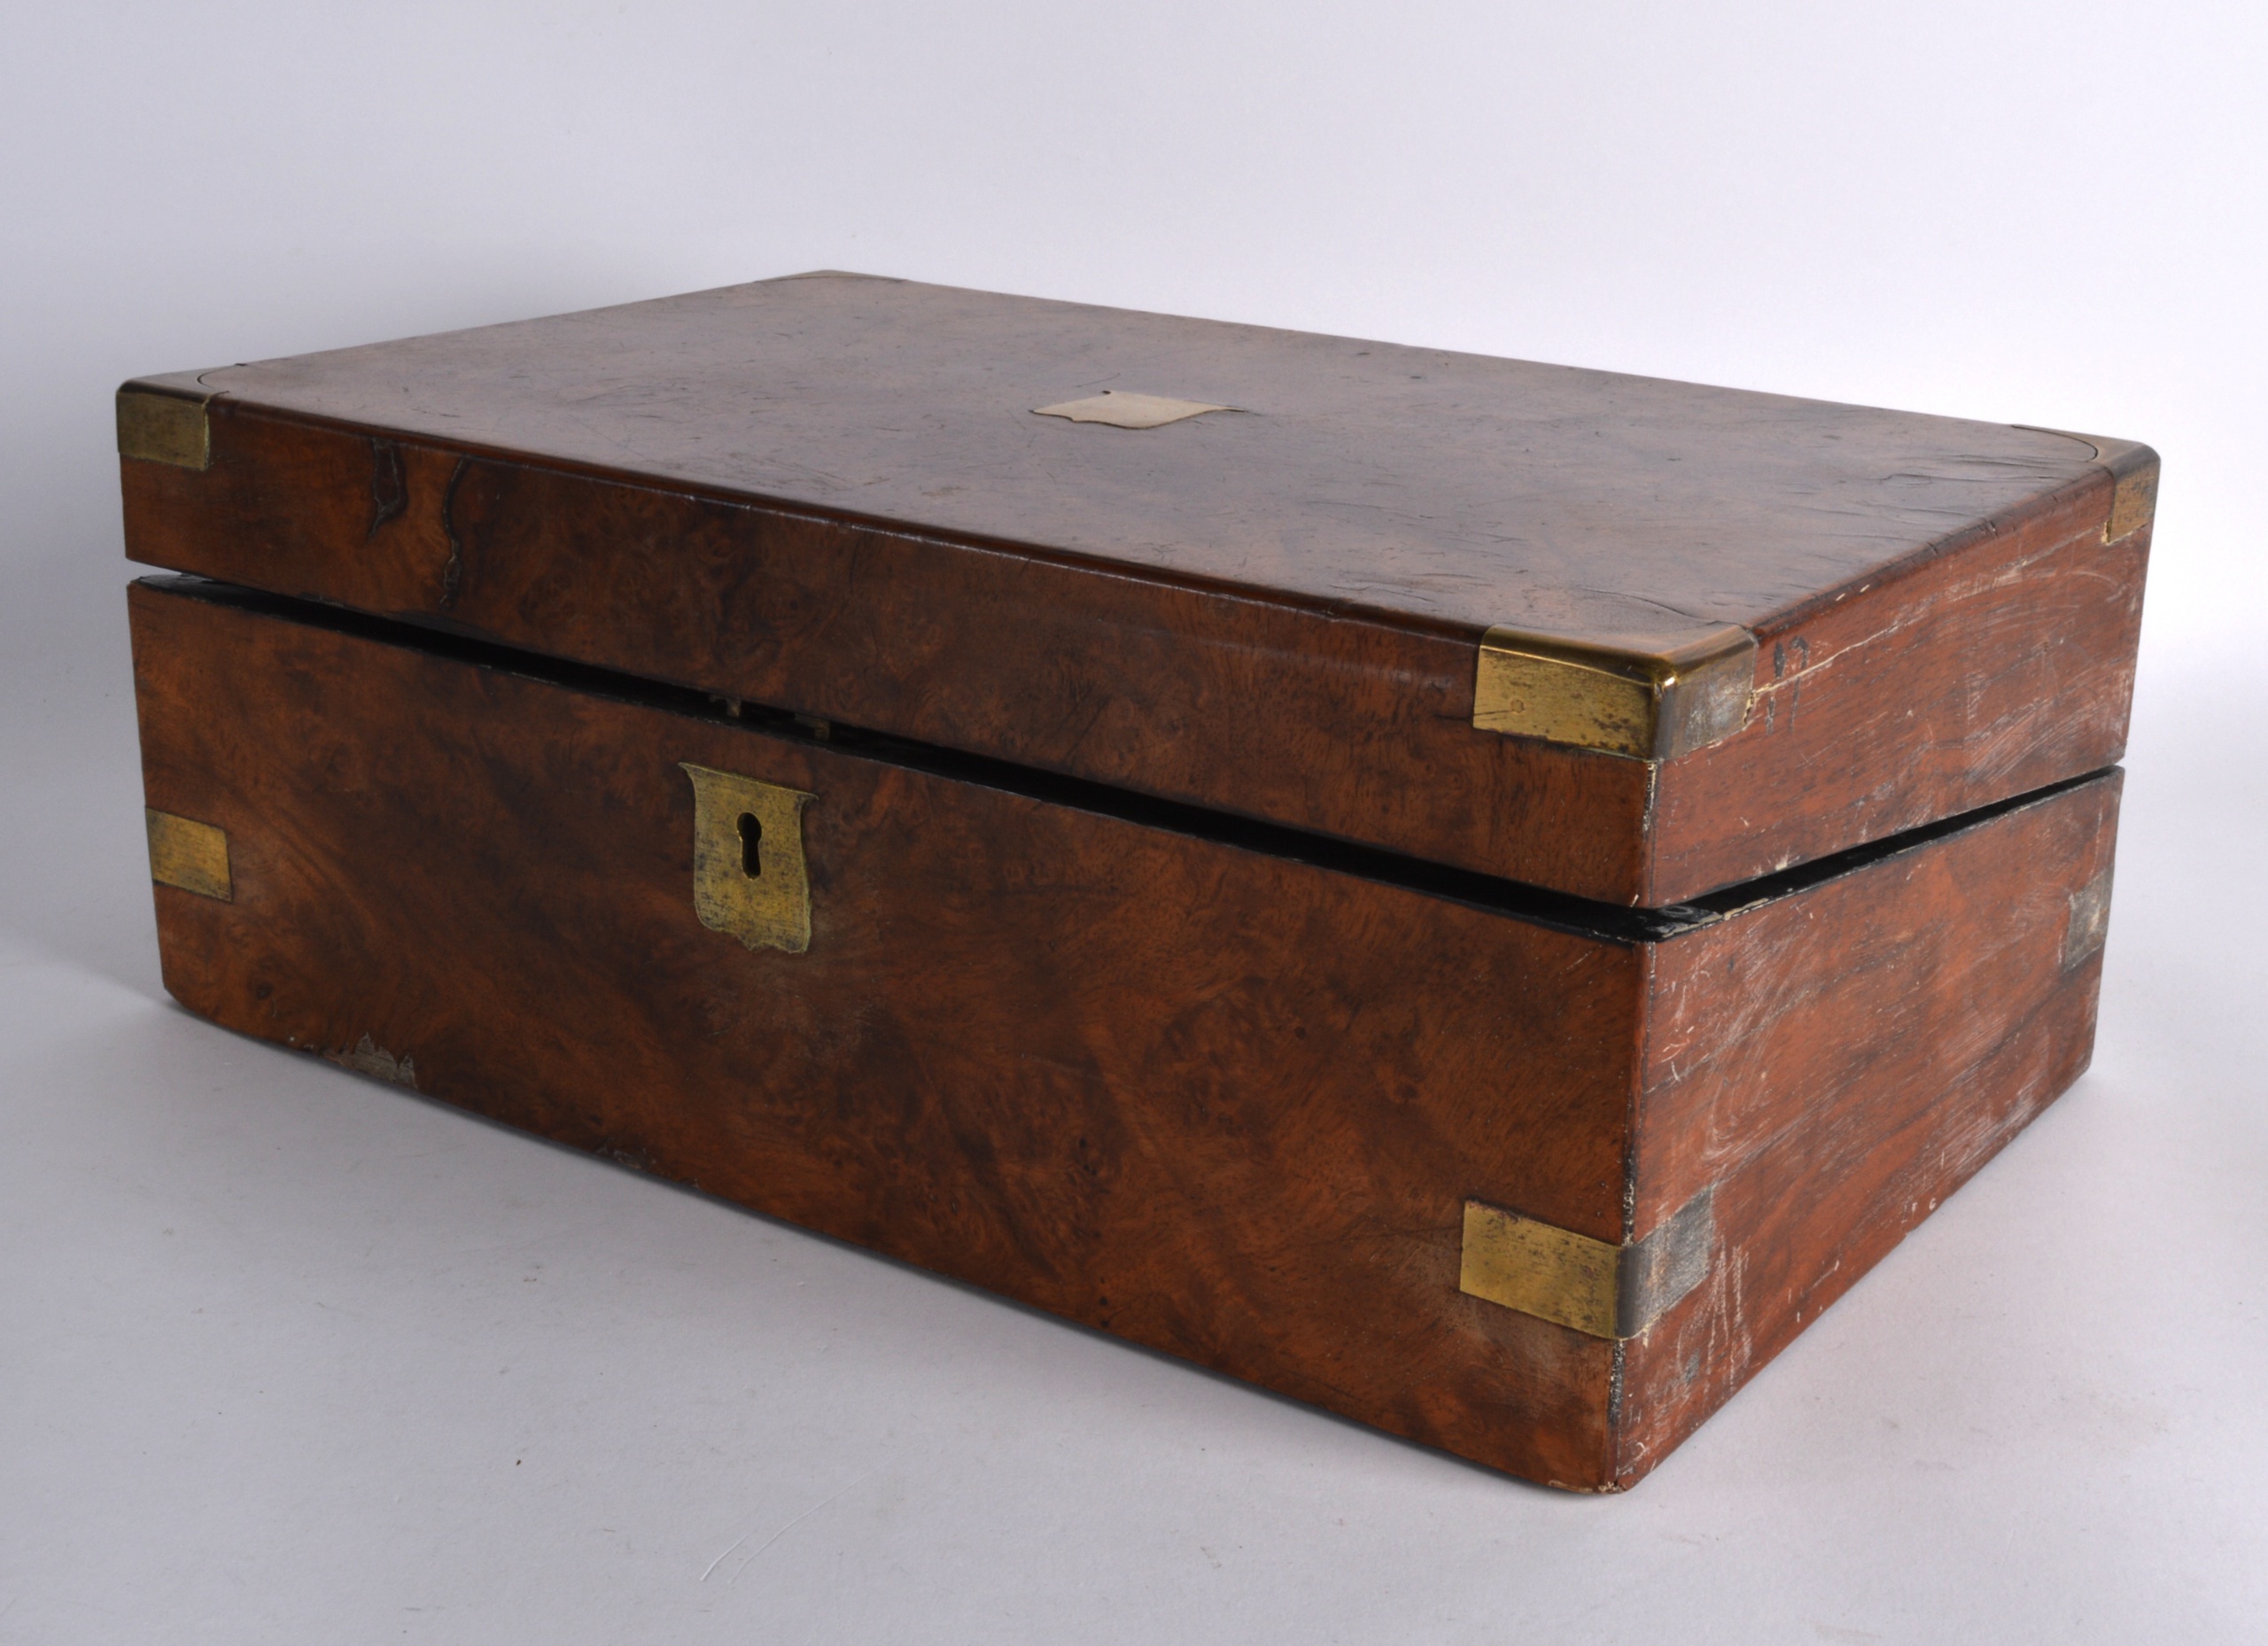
pixel 1239 1094
pixel 1478 894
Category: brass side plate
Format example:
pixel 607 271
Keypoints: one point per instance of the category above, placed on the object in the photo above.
pixel 2133 470
pixel 2090 921
pixel 2133 498
pixel 1644 697
pixel 164 424
pixel 1595 1286
pixel 749 878
pixel 1122 410
pixel 190 855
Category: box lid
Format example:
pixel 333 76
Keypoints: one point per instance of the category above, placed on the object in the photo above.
pixel 1627 639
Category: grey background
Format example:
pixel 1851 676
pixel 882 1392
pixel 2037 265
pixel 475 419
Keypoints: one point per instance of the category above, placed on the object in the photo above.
pixel 288 1356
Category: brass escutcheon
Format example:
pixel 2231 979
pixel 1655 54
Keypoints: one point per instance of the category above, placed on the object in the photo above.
pixel 749 878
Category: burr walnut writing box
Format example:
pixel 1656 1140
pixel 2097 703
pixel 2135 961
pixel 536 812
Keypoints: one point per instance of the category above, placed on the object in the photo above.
pixel 1478 894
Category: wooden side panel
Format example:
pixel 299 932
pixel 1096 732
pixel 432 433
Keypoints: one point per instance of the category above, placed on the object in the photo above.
pixel 1835 1064
pixel 2003 665
pixel 1974 676
pixel 1221 1104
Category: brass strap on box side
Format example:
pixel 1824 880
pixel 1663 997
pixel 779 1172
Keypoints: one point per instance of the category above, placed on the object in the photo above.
pixel 189 855
pixel 2133 470
pixel 2089 921
pixel 162 420
pixel 749 877
pixel 2133 488
pixel 1645 697
pixel 1595 1286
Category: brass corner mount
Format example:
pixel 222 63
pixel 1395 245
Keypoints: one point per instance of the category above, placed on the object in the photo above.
pixel 1644 697
pixel 189 855
pixel 2133 491
pixel 162 420
pixel 1597 1287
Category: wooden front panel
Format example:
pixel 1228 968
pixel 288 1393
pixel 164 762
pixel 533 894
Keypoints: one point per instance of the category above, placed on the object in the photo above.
pixel 1221 1103
pixel 1345 725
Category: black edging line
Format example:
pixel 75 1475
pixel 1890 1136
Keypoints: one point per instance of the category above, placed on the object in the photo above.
pixel 1585 916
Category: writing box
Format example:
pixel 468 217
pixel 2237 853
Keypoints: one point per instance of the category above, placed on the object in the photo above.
pixel 1481 896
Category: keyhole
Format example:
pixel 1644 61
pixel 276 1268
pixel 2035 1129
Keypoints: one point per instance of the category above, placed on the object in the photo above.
pixel 751 838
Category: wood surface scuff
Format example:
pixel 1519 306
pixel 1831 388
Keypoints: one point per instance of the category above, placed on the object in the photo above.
pixel 366 1057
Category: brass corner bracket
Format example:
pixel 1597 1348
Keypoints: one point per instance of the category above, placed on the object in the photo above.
pixel 749 877
pixel 2133 470
pixel 2089 921
pixel 1595 1286
pixel 188 856
pixel 2134 488
pixel 162 420
pixel 1645 697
